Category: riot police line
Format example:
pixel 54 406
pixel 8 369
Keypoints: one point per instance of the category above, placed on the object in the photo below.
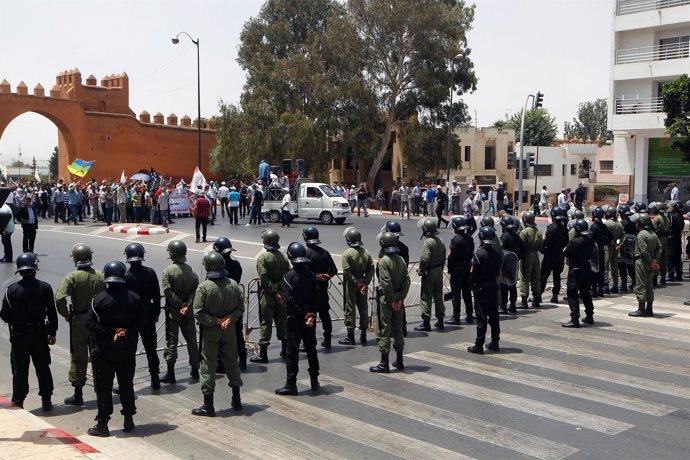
pixel 104 306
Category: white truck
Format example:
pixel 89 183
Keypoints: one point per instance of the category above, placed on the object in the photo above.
pixel 310 200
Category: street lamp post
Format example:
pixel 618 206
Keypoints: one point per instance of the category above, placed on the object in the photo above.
pixel 175 41
pixel 450 121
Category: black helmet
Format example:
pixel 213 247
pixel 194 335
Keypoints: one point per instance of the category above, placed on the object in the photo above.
pixel 223 245
pixel 598 213
pixel 558 214
pixel 27 262
pixel 214 264
pixel 270 239
pixel 488 221
pixel 429 227
pixel 640 207
pixel 581 226
pixel 645 221
pixel 114 272
pixel 624 210
pixel 311 235
pixel 487 235
pixel 353 237
pixel 528 218
pixel 459 224
pixel 297 254
pixel 134 252
pixel 578 214
pixel 676 205
pixel 507 222
pixel 81 255
pixel 389 242
pixel 176 249
pixel 393 227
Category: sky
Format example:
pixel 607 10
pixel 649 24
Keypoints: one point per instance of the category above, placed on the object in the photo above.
pixel 519 47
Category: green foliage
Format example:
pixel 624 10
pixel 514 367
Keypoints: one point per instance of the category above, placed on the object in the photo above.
pixel 590 123
pixel 53 163
pixel 540 127
pixel 425 148
pixel 676 96
pixel 605 192
pixel 500 124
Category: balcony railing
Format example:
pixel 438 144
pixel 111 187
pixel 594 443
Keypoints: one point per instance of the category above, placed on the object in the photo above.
pixel 653 53
pixel 641 105
pixel 636 6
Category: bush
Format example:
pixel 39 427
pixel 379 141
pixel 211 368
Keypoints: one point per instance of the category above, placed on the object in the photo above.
pixel 605 193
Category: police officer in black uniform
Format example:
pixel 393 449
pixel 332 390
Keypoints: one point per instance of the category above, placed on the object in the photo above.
pixel 555 241
pixel 223 246
pixel 115 319
pixel 28 306
pixel 144 281
pixel 486 265
pixel 459 261
pixel 675 246
pixel 629 227
pixel 300 287
pixel 511 241
pixel 403 251
pixel 579 254
pixel 602 237
pixel 322 266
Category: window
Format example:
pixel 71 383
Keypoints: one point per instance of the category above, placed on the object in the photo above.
pixel 673 48
pixel 313 192
pixel 573 170
pixel 543 170
pixel 606 166
pixel 468 153
pixel 563 172
pixel 490 157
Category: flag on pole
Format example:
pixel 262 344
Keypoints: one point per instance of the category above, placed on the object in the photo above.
pixel 154 180
pixel 198 180
pixel 123 178
pixel 3 171
pixel 36 176
pixel 80 167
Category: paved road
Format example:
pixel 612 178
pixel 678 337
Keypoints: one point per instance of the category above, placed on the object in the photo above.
pixel 616 390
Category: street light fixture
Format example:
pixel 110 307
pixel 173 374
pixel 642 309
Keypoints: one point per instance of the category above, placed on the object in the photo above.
pixel 450 121
pixel 175 41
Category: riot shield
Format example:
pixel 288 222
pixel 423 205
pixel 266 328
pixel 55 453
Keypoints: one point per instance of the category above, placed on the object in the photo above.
pixel 628 249
pixel 509 268
pixel 594 260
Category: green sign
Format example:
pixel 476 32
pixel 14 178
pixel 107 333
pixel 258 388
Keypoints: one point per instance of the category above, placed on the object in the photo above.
pixel 664 161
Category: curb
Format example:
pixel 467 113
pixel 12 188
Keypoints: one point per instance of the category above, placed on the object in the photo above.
pixel 138 230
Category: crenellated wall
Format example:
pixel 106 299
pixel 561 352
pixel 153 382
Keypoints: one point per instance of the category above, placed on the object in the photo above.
pixel 95 122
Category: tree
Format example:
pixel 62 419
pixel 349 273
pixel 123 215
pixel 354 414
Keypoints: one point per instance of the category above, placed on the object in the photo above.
pixel 590 123
pixel 676 97
pixel 53 163
pixel 540 127
pixel 500 124
pixel 425 147
pixel 408 47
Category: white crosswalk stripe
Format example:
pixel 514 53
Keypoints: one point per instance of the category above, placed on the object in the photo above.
pixel 661 313
pixel 511 401
pixel 536 381
pixel 671 336
pixel 467 426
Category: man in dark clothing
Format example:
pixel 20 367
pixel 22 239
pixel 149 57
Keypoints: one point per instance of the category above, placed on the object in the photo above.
pixel 28 307
pixel 555 241
pixel 459 261
pixel 115 319
pixel 324 268
pixel 579 196
pixel 579 254
pixel 675 260
pixel 29 220
pixel 601 236
pixel 441 203
pixel 625 261
pixel 510 241
pixel 201 212
pixel 486 265
pixel 500 195
pixel 300 287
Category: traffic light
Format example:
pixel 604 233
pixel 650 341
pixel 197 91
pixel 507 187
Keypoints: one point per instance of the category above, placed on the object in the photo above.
pixel 512 161
pixel 404 170
pixel 538 100
pixel 531 159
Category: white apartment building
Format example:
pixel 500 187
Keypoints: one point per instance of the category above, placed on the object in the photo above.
pixel 650 47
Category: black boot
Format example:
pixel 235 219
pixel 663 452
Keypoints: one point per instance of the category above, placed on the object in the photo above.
pixel 77 399
pixel 289 389
pixel 524 305
pixel 649 311
pixel 129 424
pixel 493 346
pixel 439 324
pixel 536 301
pixel 169 376
pixel 574 323
pixel 100 429
pixel 207 409
pixel 363 337
pixel 314 380
pixel 469 319
pixel 504 309
pixel 614 289
pixel 554 299
pixel 155 382
pixel 624 287
pixel 194 374
pixel 595 293
pixel 455 319
pixel 46 404
pixel 263 355
pixel 283 348
pixel 589 319
pixel 512 308
pixel 425 326
pixel 381 366
pixel 605 289
pixel 326 342
pixel 350 339
pixel 398 364
pixel 236 402
pixel 641 310
pixel 476 349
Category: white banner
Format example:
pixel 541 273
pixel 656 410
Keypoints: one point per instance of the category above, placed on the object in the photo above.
pixel 179 203
pixel 198 180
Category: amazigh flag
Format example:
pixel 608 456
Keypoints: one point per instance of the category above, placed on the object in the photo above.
pixel 80 167
pixel 154 180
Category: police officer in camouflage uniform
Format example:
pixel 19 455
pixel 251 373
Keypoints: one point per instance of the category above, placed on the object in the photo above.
pixel 647 253
pixel 612 249
pixel 218 305
pixel 81 286
pixel 179 284
pixel 530 276
pixel 271 267
pixel 555 241
pixel 358 271
pixel 431 263
pixel 324 268
pixel 403 251
pixel 662 227
pixel 459 261
pixel 579 253
pixel 394 284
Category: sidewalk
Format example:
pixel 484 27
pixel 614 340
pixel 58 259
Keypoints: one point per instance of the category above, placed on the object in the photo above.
pixel 24 435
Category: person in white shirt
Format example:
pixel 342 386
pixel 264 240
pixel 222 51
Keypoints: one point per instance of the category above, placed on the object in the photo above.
pixel 286 208
pixel 543 199
pixel 223 193
pixel 563 200
pixel 211 194
pixel 404 198
pixel 675 193
pixel 455 192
